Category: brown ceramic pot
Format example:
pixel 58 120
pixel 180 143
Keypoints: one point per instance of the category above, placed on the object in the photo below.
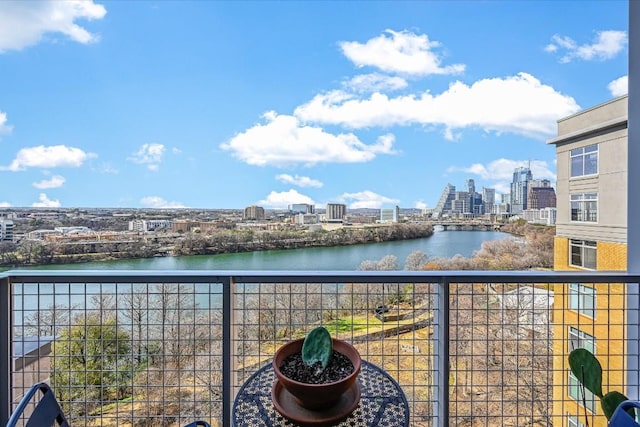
pixel 317 396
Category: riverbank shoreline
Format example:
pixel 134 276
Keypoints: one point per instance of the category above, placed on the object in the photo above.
pixel 159 245
pixel 442 244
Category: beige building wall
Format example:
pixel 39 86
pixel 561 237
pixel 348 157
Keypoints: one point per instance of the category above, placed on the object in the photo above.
pixel 605 125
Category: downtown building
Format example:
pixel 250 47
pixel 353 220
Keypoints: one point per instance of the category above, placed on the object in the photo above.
pixel 335 212
pixel 519 189
pixel 591 234
pixel 464 204
pixel 489 199
pixel 253 212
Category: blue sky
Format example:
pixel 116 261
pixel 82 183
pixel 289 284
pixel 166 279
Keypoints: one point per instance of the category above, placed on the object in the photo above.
pixel 213 104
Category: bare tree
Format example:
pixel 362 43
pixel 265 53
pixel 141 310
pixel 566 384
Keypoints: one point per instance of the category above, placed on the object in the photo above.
pixel 275 311
pixel 8 253
pixel 47 322
pixel 136 313
pixel 415 260
pixel 173 313
pixel 104 305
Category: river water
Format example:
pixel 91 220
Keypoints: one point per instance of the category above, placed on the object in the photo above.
pixel 442 244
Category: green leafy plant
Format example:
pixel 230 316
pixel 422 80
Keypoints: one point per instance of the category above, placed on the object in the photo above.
pixel 588 370
pixel 317 347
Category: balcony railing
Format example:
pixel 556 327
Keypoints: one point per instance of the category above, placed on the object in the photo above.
pixel 166 347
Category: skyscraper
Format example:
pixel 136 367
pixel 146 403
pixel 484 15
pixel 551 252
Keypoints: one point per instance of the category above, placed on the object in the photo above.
pixel 471 189
pixel 519 187
pixel 444 203
pixel 488 199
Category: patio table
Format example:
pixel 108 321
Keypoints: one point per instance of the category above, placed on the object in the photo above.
pixel 382 401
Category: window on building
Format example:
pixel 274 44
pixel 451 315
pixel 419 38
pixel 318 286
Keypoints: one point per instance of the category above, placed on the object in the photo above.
pixel 582 299
pixel 576 390
pixel 583 253
pixel 580 339
pixel 584 161
pixel 584 207
pixel 573 421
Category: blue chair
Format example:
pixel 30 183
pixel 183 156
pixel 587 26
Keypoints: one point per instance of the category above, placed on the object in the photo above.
pixel 47 410
pixel 621 417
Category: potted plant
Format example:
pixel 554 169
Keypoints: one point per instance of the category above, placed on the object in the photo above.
pixel 316 378
pixel 616 406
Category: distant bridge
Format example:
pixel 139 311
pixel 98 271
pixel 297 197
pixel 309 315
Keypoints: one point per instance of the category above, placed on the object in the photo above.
pixel 467 226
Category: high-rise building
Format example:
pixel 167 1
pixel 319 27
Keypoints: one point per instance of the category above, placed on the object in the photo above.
pixel 488 199
pixel 541 197
pixel 475 199
pixel 460 203
pixel 254 212
pixel 519 186
pixel 591 234
pixel 539 183
pixel 336 211
pixel 444 203
pixel 471 186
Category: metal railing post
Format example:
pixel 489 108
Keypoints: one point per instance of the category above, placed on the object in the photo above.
pixel 633 205
pixel 227 350
pixel 5 355
pixel 441 354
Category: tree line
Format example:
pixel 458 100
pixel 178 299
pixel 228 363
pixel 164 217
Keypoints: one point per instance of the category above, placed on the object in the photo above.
pixel 37 252
pixel 530 248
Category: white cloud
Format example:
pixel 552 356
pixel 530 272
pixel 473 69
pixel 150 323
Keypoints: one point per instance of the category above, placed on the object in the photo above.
pixel 54 182
pixel 283 140
pixel 45 202
pixel 400 52
pixel 5 204
pixel 150 155
pixel 156 202
pixel 518 104
pixel 300 181
pixel 25 23
pixel 374 82
pixel 619 86
pixel 501 188
pixel 563 42
pixel 48 157
pixel 366 199
pixel 419 204
pixel 607 44
pixel 282 200
pixel 502 169
pixel 4 127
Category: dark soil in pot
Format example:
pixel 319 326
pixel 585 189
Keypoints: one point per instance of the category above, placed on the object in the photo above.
pixel 339 367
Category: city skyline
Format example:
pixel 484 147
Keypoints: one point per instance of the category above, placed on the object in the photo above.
pixel 205 105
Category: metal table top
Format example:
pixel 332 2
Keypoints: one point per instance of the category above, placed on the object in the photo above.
pixel 382 401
